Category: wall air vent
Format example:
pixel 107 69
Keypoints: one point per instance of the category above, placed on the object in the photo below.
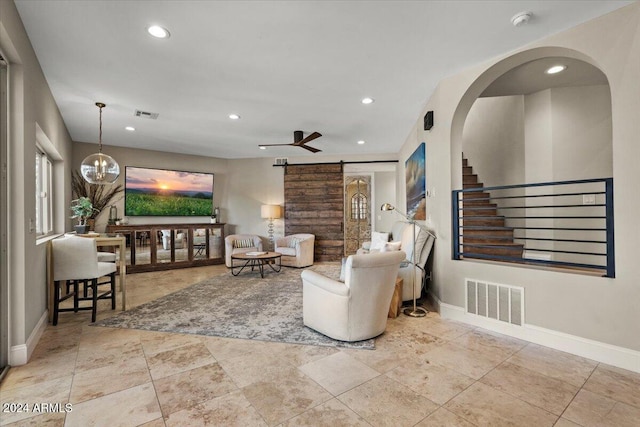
pixel 500 302
pixel 280 161
pixel 146 115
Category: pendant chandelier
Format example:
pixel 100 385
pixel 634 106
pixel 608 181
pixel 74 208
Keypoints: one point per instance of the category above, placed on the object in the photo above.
pixel 100 168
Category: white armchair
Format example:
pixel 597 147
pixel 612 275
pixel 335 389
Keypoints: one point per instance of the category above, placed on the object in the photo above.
pixel 401 233
pixel 356 309
pixel 296 249
pixel 240 243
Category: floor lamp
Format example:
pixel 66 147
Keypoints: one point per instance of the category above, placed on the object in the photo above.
pixel 270 212
pixel 415 311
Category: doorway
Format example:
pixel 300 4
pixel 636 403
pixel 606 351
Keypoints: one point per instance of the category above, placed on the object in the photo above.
pixel 357 213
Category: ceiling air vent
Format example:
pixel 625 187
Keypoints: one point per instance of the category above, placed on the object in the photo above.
pixel 281 161
pixel 146 115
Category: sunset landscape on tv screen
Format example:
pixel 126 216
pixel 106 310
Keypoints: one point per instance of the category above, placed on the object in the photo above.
pixel 160 192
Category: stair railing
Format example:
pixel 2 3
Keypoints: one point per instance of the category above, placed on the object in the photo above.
pixel 566 224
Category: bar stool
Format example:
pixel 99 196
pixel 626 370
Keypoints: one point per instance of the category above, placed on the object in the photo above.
pixel 75 260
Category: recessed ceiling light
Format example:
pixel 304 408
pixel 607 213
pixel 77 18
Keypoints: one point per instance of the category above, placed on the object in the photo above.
pixel 234 116
pixel 262 147
pixel 158 31
pixel 556 69
pixel 361 142
pixel 130 128
pixel 367 101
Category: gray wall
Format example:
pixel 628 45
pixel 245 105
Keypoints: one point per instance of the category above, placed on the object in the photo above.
pixel 30 103
pixel 493 140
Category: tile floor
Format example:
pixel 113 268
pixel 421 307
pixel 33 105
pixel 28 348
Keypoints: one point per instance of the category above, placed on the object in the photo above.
pixel 424 372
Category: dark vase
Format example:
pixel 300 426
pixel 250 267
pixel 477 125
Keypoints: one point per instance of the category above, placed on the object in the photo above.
pixel 80 229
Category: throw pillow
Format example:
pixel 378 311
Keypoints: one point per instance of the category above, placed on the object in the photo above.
pixel 243 243
pixel 391 246
pixel 378 240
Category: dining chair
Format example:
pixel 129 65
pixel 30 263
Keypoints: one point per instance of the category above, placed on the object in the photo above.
pixel 75 261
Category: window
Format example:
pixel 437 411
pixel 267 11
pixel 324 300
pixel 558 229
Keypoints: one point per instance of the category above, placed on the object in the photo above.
pixel 359 206
pixel 44 208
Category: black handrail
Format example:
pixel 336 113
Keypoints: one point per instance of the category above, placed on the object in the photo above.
pixel 526 235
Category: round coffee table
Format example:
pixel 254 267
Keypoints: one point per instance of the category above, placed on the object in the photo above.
pixel 272 259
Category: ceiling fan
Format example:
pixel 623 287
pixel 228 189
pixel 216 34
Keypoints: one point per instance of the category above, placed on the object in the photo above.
pixel 299 141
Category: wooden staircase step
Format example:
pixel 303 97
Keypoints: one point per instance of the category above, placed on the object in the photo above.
pixel 479 210
pixel 465 162
pixel 496 221
pixel 478 204
pixel 472 185
pixel 487 239
pixel 470 179
pixel 511 250
pixel 476 195
pixel 466 170
pixel 468 230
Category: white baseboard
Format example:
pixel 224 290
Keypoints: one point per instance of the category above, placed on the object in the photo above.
pixel 606 353
pixel 20 354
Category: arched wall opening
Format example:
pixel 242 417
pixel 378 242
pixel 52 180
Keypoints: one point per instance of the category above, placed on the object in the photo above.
pixel 526 126
pixel 485 80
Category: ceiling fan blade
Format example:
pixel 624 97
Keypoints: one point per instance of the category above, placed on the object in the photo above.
pixel 311 137
pixel 272 145
pixel 313 150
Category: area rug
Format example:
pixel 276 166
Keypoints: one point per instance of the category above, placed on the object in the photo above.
pixel 246 306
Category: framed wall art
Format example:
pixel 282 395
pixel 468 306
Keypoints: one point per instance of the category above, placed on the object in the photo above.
pixel 415 171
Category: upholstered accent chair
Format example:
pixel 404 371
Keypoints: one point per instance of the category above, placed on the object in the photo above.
pixel 240 243
pixel 75 261
pixel 401 238
pixel 357 308
pixel 296 249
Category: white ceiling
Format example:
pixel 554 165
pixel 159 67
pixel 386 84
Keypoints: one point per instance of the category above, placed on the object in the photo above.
pixel 280 65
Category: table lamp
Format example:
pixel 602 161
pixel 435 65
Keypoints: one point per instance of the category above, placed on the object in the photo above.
pixel 270 212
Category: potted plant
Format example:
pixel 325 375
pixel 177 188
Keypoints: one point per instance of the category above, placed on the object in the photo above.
pixel 99 195
pixel 82 209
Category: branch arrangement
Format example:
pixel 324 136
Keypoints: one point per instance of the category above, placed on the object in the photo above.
pixel 100 195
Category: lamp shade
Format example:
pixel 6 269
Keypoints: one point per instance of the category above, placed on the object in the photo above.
pixel 270 211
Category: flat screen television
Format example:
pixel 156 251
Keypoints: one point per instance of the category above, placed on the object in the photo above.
pixel 162 192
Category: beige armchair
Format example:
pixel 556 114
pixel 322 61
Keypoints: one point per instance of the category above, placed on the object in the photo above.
pixel 356 309
pixel 296 249
pixel 401 237
pixel 240 243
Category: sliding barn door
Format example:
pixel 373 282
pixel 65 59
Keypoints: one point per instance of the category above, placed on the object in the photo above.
pixel 314 203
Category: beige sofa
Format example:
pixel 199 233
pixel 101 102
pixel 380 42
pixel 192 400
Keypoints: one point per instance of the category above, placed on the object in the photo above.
pixel 401 233
pixel 296 249
pixel 356 309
